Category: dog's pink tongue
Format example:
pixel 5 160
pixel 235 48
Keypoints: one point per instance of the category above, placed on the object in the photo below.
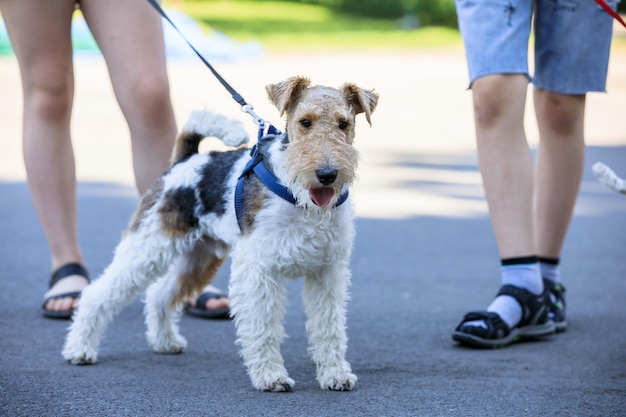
pixel 321 196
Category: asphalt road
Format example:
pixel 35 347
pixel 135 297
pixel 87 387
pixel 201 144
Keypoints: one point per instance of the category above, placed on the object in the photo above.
pixel 424 255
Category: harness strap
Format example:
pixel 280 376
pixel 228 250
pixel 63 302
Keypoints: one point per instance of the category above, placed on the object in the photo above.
pixel 610 11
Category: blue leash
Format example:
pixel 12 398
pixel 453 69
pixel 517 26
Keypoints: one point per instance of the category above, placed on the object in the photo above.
pixel 245 107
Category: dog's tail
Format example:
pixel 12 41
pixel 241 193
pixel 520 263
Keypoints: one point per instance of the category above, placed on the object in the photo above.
pixel 202 124
pixel 609 178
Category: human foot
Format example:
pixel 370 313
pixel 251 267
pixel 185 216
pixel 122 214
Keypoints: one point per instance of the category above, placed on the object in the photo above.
pixel 211 304
pixel 488 329
pixel 66 284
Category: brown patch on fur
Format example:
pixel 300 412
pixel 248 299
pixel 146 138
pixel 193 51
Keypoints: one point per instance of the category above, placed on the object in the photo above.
pixel 254 195
pixel 193 281
pixel 148 201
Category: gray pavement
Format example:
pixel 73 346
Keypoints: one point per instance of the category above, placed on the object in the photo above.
pixel 424 255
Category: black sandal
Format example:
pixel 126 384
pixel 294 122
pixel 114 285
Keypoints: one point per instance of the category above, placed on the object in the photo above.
pixel 64 272
pixel 534 324
pixel 199 309
pixel 557 304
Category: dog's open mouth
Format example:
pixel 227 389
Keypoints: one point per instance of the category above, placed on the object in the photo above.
pixel 321 196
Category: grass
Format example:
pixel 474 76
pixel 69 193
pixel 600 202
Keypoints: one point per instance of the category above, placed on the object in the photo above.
pixel 292 27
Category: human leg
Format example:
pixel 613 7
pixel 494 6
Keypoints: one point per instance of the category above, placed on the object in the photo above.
pixel 132 44
pixel 506 169
pixel 559 166
pixel 40 36
pixel 496 42
pixel 505 161
pixel 584 33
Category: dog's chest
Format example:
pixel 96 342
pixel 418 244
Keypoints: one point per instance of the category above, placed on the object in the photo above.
pixel 297 241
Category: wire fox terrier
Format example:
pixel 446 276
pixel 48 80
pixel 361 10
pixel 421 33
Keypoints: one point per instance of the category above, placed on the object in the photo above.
pixel 187 224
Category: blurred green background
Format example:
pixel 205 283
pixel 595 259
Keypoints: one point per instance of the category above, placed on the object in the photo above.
pixel 329 24
pixel 306 25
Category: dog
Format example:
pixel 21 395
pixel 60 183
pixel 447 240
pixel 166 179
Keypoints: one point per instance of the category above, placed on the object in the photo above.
pixel 608 178
pixel 209 205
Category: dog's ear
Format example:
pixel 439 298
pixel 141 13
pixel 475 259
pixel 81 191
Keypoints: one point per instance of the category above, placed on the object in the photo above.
pixel 363 101
pixel 285 93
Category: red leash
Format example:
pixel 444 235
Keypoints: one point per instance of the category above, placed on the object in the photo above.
pixel 610 11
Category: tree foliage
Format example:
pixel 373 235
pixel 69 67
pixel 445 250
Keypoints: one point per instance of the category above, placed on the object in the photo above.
pixel 427 12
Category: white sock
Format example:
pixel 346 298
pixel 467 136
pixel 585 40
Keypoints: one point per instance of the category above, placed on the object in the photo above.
pixel 519 272
pixel 550 269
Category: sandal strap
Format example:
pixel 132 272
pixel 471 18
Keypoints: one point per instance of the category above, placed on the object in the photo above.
pixel 496 327
pixel 73 294
pixel 206 296
pixel 557 289
pixel 67 270
pixel 534 308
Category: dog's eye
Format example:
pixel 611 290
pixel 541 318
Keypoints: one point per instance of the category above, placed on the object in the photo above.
pixel 305 123
pixel 343 125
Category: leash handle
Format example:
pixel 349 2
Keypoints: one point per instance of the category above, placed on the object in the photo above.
pixel 236 96
pixel 610 11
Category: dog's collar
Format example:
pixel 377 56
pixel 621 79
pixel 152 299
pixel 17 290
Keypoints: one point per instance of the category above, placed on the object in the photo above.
pixel 257 166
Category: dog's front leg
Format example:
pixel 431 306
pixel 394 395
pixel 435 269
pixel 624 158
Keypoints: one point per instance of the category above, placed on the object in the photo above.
pixel 257 302
pixel 325 295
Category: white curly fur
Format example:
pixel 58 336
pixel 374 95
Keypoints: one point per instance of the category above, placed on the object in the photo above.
pixel 607 177
pixel 209 124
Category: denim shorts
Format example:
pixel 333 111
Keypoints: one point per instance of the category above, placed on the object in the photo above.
pixel 572 41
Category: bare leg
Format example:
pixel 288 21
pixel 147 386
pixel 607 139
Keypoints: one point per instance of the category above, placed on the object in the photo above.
pixel 129 34
pixel 40 35
pixel 505 161
pixel 560 161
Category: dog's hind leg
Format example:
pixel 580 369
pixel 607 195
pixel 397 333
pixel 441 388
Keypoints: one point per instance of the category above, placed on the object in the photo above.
pixel 162 317
pixel 189 274
pixel 138 261
pixel 325 295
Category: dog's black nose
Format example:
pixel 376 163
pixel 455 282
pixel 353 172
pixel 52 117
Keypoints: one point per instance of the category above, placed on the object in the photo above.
pixel 326 176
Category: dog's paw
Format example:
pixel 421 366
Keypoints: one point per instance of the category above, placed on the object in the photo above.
pixel 284 384
pixel 80 356
pixel 337 380
pixel 274 382
pixel 174 345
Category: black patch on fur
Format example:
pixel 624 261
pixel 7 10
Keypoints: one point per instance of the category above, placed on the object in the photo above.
pixel 178 210
pixel 213 185
pixel 187 147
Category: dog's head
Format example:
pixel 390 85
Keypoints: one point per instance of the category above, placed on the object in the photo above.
pixel 321 159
